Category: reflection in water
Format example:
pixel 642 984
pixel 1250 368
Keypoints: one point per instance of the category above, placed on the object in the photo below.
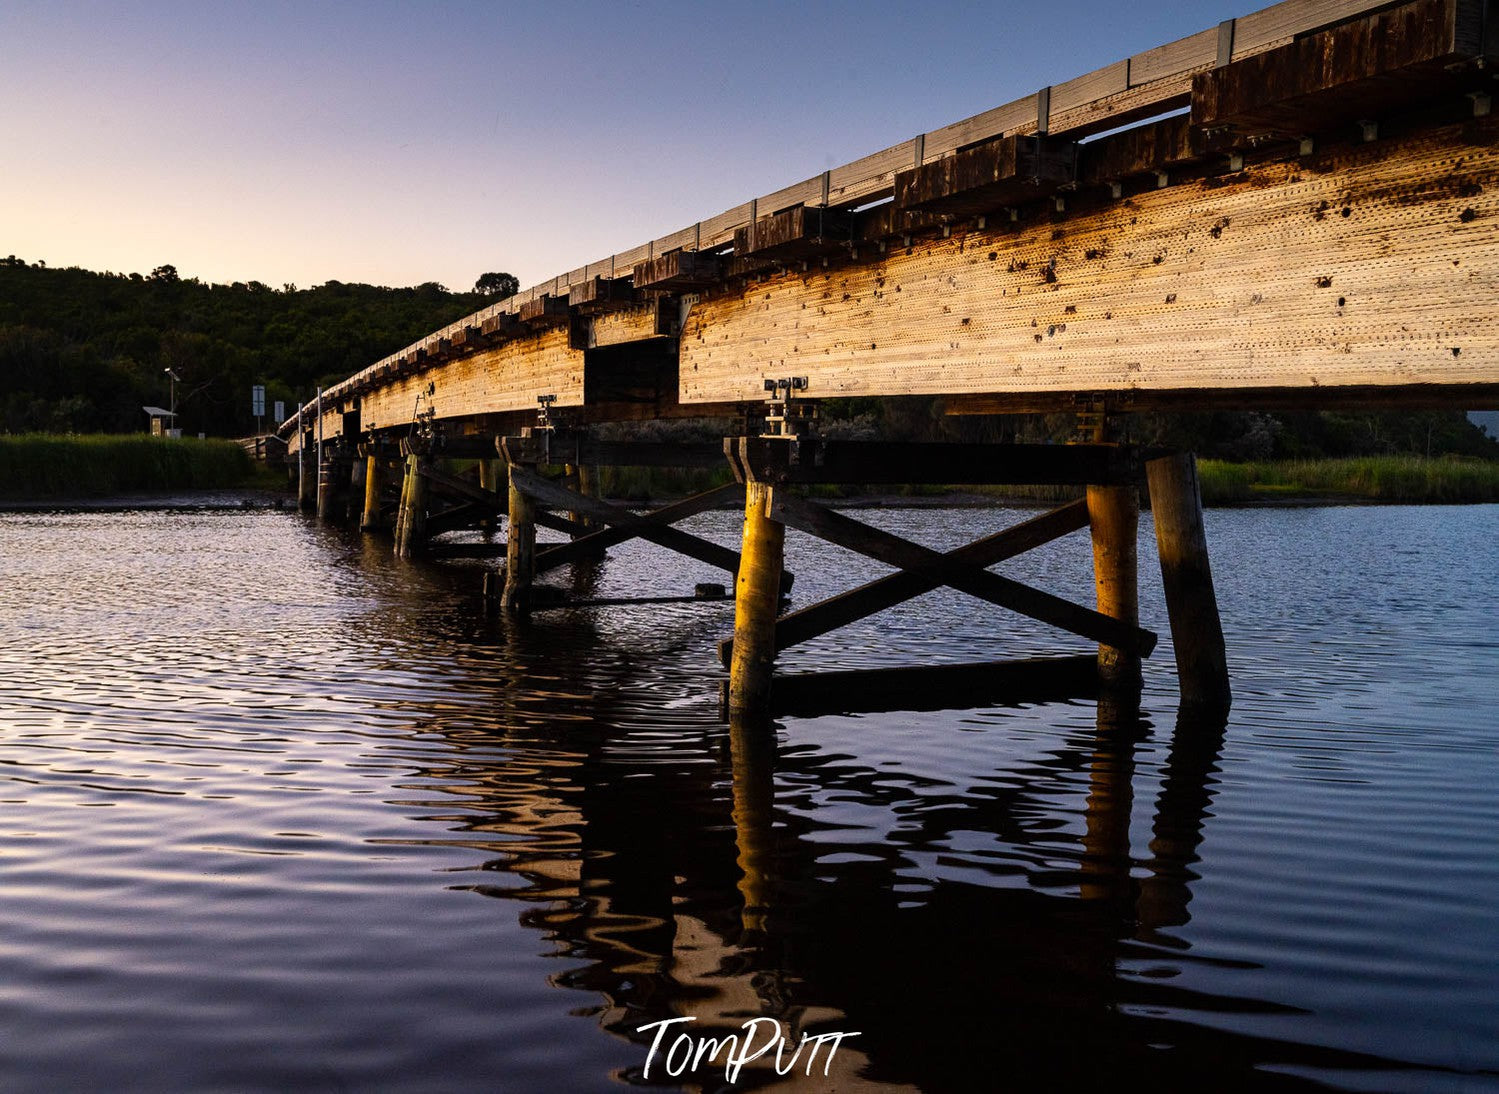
pixel 680 914
pixel 312 758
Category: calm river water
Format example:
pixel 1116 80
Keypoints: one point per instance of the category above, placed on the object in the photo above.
pixel 280 813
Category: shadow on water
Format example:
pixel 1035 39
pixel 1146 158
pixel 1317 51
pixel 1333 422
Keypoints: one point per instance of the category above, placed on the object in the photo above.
pixel 680 869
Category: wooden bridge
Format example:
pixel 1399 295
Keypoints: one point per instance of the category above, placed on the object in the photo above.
pixel 1299 207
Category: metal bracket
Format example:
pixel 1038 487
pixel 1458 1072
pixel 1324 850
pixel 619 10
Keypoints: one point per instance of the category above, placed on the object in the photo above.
pixel 545 425
pixel 788 418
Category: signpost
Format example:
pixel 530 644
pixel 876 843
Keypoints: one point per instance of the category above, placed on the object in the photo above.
pixel 280 415
pixel 257 406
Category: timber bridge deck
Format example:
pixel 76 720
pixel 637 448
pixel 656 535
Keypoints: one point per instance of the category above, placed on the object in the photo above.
pixel 1299 207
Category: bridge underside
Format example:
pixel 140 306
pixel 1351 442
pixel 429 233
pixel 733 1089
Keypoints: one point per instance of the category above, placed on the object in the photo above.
pixel 1321 230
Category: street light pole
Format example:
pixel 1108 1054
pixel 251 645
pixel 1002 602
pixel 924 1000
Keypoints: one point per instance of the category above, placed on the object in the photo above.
pixel 172 379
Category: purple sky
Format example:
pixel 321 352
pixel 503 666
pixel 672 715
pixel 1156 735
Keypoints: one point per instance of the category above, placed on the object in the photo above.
pixel 398 143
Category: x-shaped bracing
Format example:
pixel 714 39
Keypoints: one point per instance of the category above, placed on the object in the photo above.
pixel 625 524
pixel 923 569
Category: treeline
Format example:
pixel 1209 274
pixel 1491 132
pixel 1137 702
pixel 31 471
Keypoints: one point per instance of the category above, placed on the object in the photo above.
pixel 82 352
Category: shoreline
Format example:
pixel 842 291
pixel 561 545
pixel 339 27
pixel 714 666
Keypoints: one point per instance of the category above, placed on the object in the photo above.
pixel 216 500
pixel 254 498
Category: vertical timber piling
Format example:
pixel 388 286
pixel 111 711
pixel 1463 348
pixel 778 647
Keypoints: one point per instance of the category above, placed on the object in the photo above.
pixel 307 476
pixel 1191 604
pixel 327 484
pixel 374 484
pixel 520 551
pixel 412 520
pixel 757 599
pixel 488 480
pixel 1114 519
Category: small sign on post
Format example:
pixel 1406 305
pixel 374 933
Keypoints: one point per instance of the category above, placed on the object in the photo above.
pixel 257 405
pixel 280 414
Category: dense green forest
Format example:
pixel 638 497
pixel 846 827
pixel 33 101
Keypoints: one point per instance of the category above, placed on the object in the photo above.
pixel 83 351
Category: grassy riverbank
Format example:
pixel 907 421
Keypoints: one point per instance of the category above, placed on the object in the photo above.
pixel 1387 479
pixel 1410 479
pixel 38 466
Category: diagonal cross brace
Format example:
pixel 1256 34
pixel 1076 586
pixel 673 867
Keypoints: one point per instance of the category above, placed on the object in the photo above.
pixel 886 592
pixel 595 543
pixel 476 495
pixel 550 494
pixel 971 579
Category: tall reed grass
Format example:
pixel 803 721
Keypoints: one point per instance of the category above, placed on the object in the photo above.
pixel 1363 478
pixel 1413 479
pixel 38 465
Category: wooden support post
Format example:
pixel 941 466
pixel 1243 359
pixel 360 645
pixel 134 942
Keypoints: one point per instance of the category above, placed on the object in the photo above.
pixel 588 485
pixel 757 599
pixel 327 484
pixel 489 480
pixel 572 476
pixel 1196 631
pixel 374 484
pixel 520 546
pixel 307 480
pixel 399 528
pixel 1114 518
pixel 412 522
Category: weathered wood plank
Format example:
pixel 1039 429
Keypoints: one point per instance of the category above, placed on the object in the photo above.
pixel 1340 74
pixel 719 230
pixel 978 180
pixel 632 323
pixel 1360 267
pixel 505 377
pixel 806 192
pixel 1098 84
pixel 678 271
pixel 870 177
pixel 797 232
pixel 999 121
pixel 934 687
pixel 1174 60
pixel 597 294
pixel 544 311
pixel 1278 24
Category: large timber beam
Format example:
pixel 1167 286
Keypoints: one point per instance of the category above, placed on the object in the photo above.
pixel 1359 267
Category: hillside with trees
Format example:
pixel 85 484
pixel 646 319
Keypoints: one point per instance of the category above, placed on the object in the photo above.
pixel 83 351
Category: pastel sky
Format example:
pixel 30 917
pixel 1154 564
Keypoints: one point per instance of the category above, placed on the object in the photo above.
pixel 397 143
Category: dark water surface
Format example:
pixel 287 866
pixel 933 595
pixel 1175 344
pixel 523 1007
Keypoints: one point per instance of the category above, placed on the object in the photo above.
pixel 279 813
